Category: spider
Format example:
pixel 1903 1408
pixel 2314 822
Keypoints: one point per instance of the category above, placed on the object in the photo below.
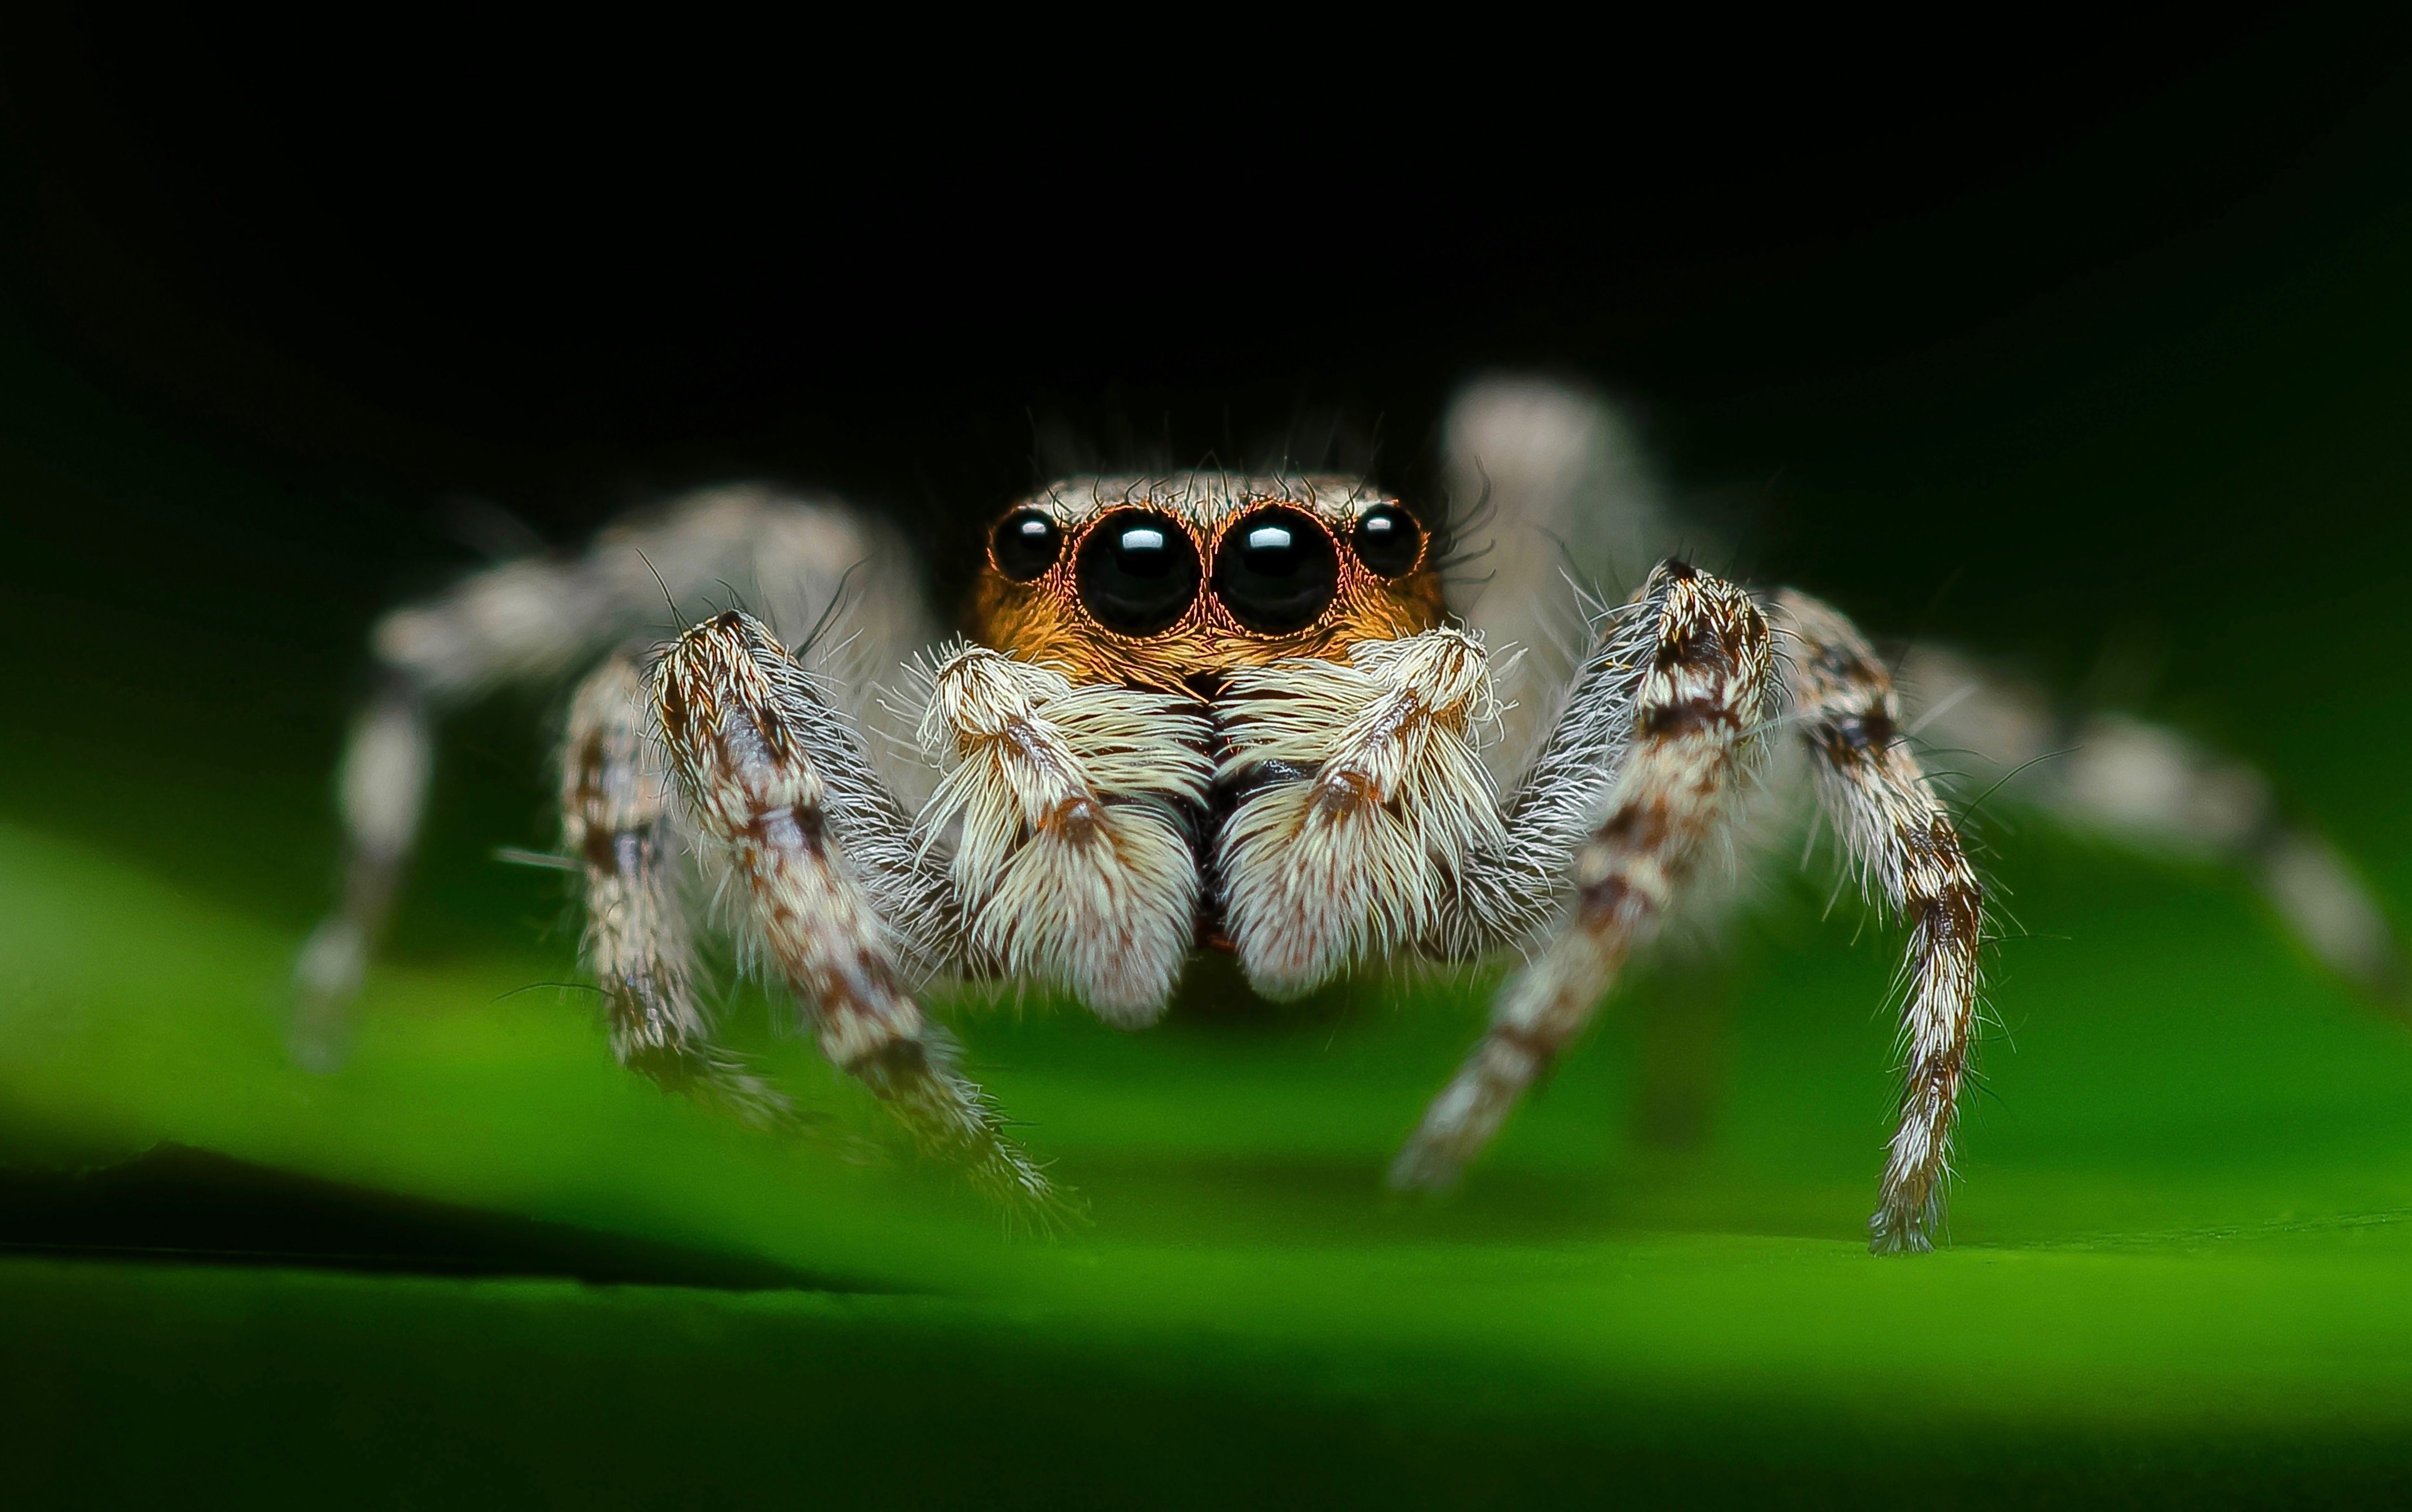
pixel 1248 713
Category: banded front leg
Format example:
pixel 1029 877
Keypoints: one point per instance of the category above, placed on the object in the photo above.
pixel 1694 687
pixel 779 779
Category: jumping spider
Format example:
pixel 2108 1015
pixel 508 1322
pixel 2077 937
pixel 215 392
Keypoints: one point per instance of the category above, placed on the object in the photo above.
pixel 1242 713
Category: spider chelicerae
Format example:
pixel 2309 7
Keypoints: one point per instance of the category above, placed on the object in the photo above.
pixel 1199 710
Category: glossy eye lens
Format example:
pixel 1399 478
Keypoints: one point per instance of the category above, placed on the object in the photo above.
pixel 1275 571
pixel 1387 540
pixel 1137 572
pixel 1025 545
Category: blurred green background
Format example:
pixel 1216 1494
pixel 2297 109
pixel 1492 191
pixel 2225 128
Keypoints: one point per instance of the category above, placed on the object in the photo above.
pixel 2094 345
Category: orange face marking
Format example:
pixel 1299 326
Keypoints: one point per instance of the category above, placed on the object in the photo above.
pixel 1173 583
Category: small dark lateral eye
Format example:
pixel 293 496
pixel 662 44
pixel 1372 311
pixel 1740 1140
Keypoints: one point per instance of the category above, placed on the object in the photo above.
pixel 1025 545
pixel 1387 540
pixel 1276 570
pixel 1137 572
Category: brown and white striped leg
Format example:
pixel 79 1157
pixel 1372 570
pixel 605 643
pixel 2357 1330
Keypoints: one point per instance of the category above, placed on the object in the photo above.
pixel 637 946
pixel 1909 853
pixel 773 774
pixel 1698 696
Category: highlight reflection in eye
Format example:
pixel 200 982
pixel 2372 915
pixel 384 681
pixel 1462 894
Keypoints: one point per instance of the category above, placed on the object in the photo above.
pixel 1025 545
pixel 1138 574
pixel 1389 540
pixel 1276 570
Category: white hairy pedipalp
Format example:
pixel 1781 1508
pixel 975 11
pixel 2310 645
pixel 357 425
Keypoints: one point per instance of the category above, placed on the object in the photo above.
pixel 1351 861
pixel 1067 853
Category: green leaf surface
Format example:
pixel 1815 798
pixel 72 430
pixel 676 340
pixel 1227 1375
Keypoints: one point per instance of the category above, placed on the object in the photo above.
pixel 2177 1250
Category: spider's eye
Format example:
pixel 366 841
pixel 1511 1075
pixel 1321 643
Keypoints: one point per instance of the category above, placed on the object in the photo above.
pixel 1275 570
pixel 1025 545
pixel 1387 540
pixel 1138 572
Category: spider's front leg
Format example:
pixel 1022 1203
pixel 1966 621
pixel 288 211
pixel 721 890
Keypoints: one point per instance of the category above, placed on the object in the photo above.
pixel 1671 702
pixel 1658 733
pixel 835 894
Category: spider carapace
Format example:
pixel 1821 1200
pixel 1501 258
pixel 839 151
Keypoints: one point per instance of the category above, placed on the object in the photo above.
pixel 1248 711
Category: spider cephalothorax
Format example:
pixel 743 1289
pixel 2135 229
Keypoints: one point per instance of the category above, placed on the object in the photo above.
pixel 1242 712
pixel 1174 581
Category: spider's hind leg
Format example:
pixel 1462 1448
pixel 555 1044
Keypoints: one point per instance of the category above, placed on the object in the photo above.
pixel 2162 792
pixel 380 789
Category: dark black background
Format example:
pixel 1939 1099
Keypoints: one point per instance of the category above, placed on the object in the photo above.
pixel 2047 340
pixel 556 269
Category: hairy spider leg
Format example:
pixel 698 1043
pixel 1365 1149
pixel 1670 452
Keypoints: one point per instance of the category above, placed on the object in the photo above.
pixel 2157 790
pixel 1910 857
pixel 541 620
pixel 637 945
pixel 780 780
pixel 1567 492
pixel 1696 695
pixel 380 789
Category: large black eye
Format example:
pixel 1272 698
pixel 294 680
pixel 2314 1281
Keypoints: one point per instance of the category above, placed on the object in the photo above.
pixel 1387 540
pixel 1025 545
pixel 1138 572
pixel 1275 571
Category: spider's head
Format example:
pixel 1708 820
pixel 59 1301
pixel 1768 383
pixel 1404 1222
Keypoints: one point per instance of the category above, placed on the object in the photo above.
pixel 1173 583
